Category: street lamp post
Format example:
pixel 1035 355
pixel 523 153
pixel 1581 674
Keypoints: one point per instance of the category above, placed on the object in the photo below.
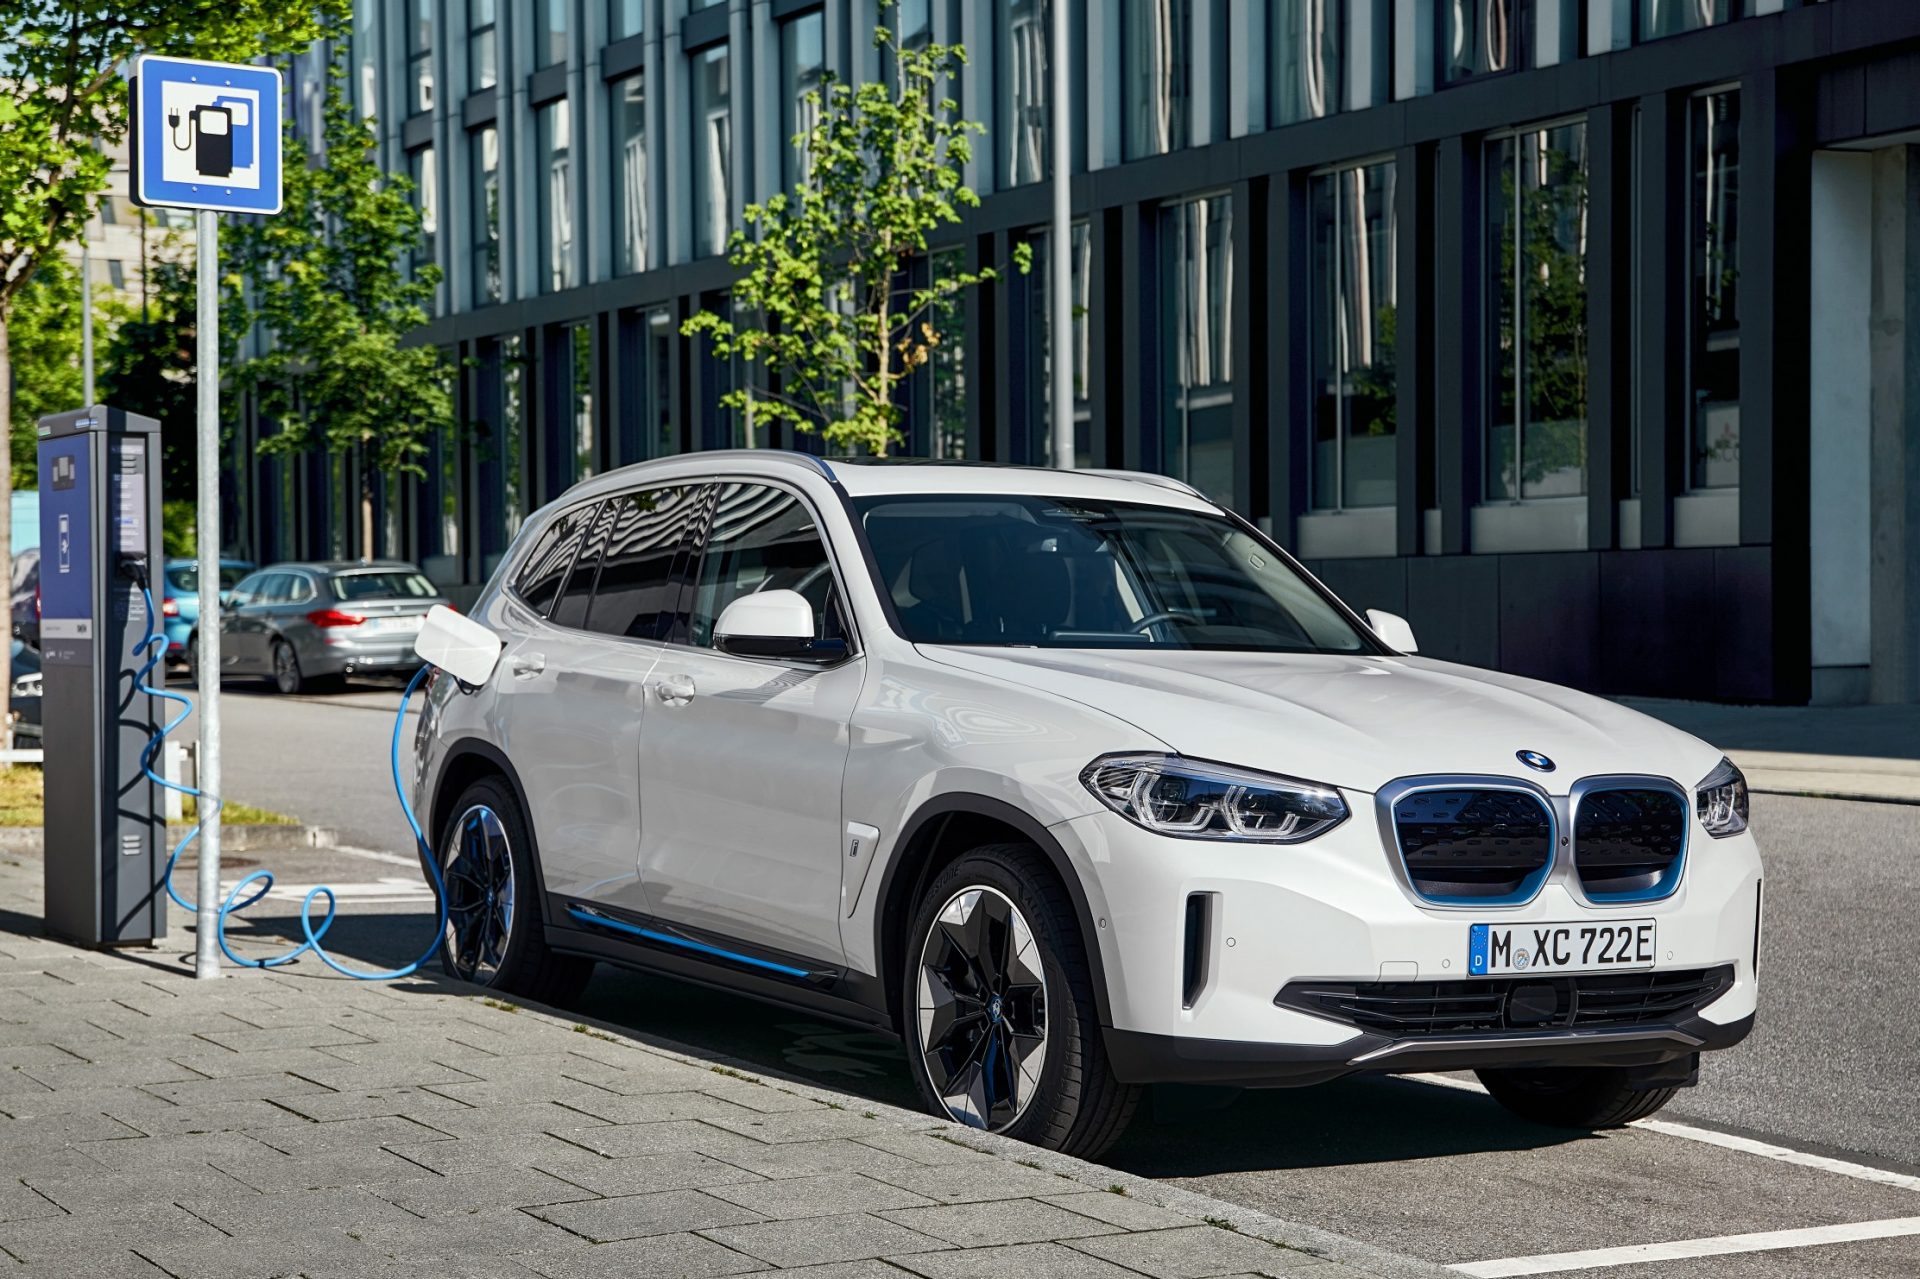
pixel 1060 261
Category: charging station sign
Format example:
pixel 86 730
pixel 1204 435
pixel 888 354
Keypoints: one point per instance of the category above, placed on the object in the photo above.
pixel 206 135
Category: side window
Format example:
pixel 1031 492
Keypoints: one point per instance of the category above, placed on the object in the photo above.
pixel 577 594
pixel 278 589
pixel 546 565
pixel 299 588
pixel 250 589
pixel 638 590
pixel 762 539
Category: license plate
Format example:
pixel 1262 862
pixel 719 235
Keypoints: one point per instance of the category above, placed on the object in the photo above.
pixel 1496 949
pixel 405 625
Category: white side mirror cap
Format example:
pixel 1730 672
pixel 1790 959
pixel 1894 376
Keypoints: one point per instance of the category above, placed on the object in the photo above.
pixel 766 615
pixel 1393 630
pixel 458 645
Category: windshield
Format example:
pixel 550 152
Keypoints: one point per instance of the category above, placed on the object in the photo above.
pixel 185 578
pixel 390 584
pixel 1051 573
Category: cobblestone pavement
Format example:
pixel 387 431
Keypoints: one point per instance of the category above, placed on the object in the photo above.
pixel 297 1123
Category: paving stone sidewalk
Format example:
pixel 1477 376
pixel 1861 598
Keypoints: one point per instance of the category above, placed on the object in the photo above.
pixel 297 1123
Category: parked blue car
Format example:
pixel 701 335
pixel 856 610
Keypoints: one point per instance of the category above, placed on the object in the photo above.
pixel 180 598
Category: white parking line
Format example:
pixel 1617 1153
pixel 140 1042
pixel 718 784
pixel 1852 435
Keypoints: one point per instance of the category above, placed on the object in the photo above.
pixel 1682 1249
pixel 368 854
pixel 1727 1141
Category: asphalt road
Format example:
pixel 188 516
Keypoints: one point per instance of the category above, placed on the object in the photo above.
pixel 1435 1171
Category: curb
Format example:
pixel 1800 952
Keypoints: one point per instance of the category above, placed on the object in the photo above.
pixel 1296 1236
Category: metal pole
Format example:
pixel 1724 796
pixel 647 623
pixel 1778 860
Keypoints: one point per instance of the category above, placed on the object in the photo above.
pixel 1061 261
pixel 86 327
pixel 206 947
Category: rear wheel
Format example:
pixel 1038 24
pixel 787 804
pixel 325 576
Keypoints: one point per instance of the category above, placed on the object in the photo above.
pixel 999 1011
pixel 1574 1097
pixel 193 660
pixel 494 936
pixel 287 676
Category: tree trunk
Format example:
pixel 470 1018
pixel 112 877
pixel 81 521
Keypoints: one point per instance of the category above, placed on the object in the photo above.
pixel 366 514
pixel 6 532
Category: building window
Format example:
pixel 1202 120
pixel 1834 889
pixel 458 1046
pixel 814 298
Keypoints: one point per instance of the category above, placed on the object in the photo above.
pixel 366 56
pixel 420 56
pixel 1039 291
pixel 1157 86
pixel 483 160
pixel 1481 39
pixel 712 151
pixel 1673 17
pixel 1021 86
pixel 550 30
pixel 1536 440
pixel 1196 360
pixel 1304 79
pixel 426 197
pixel 116 273
pixel 555 177
pixel 1354 329
pixel 626 18
pixel 913 25
pixel 1714 305
pixel 573 433
pixel 803 69
pixel 632 193
pixel 645 421
pixel 483 47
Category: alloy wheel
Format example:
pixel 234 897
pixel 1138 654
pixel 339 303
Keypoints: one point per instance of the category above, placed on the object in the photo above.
pixel 480 895
pixel 286 668
pixel 983 1008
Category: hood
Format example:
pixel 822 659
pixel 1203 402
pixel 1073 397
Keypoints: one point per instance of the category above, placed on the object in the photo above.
pixel 1357 722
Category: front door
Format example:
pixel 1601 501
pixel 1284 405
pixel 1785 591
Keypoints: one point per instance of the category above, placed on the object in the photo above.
pixel 742 758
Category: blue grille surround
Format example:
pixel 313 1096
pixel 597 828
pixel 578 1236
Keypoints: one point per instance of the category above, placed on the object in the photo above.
pixel 1474 842
pixel 1629 840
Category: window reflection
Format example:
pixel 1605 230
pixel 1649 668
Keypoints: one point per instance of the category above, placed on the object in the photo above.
pixel 1196 283
pixel 556 195
pixel 1022 76
pixel 1714 327
pixel 1481 38
pixel 1040 319
pixel 426 198
pixel 550 31
pixel 632 199
pixel 1158 49
pixel 1305 75
pixel 1672 17
pixel 625 18
pixel 483 70
pixel 948 364
pixel 712 151
pixel 420 55
pixel 1354 332
pixel 1536 251
pixel 483 147
pixel 803 67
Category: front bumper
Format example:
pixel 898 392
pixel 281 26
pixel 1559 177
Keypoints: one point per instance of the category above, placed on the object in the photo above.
pixel 1334 910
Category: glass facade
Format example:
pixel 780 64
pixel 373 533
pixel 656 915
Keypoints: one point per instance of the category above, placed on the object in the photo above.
pixel 420 56
pixel 1354 328
pixel 1713 130
pixel 483 164
pixel 626 18
pixel 1481 38
pixel 712 123
pixel 803 68
pixel 1196 344
pixel 559 260
pixel 1021 87
pixel 1157 75
pixel 632 192
pixel 1303 75
pixel 551 27
pixel 1040 324
pixel 425 175
pixel 483 45
pixel 1674 17
pixel 1536 251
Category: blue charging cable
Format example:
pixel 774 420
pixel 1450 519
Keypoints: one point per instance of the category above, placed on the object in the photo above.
pixel 154 645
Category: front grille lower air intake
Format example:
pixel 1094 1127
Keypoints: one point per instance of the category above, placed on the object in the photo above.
pixel 1489 1005
pixel 1474 845
pixel 1627 842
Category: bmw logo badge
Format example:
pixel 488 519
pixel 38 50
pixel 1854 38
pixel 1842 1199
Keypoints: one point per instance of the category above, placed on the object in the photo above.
pixel 1535 760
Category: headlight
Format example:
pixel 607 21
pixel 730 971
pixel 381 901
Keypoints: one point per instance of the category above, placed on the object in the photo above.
pixel 1195 800
pixel 1721 801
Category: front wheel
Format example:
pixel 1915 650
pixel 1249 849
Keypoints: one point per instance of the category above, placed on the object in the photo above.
pixel 494 936
pixel 1574 1097
pixel 998 1006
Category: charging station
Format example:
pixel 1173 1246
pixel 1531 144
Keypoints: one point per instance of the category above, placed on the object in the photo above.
pixel 100 533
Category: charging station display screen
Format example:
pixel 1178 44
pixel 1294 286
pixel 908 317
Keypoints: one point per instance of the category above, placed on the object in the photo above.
pixel 129 496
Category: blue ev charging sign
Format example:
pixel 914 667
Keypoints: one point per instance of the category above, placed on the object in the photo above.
pixel 206 135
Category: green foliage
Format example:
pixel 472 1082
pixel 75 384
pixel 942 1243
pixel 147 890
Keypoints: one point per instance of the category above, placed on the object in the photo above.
pixel 45 336
pixel 178 524
pixel 823 302
pixel 147 367
pixel 327 282
pixel 1552 342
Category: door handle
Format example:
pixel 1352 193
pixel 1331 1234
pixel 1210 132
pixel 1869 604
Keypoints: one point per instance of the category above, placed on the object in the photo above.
pixel 527 665
pixel 674 690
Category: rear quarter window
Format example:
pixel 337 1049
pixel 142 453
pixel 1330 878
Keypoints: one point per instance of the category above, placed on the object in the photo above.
pixel 541 574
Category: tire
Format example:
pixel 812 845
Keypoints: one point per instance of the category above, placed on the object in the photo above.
pixel 494 936
pixel 287 678
pixel 193 661
pixel 982 1046
pixel 1574 1097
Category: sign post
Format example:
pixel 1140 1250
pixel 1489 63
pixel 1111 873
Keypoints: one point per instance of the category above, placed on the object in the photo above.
pixel 206 136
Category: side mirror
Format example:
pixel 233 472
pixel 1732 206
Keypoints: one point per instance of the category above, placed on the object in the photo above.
pixel 1393 630
pixel 774 624
pixel 458 645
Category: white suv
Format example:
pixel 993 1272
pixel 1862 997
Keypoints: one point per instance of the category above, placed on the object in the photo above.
pixel 1077 783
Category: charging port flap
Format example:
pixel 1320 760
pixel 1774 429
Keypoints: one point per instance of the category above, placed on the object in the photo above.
pixel 458 645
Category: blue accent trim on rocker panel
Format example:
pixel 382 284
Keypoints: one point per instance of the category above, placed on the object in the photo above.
pixel 603 921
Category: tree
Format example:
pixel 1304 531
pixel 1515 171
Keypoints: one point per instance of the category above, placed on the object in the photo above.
pixel 63 107
pixel 824 301
pixel 148 364
pixel 44 339
pixel 328 281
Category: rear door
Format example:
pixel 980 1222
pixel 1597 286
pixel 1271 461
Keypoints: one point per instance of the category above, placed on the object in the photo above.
pixel 244 624
pixel 741 759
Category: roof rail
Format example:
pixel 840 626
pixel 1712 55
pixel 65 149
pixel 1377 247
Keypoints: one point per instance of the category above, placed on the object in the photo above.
pixel 1149 477
pixel 811 461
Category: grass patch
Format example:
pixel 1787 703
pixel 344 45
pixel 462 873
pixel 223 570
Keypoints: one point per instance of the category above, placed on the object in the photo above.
pixel 23 788
pixel 581 1028
pixel 501 1004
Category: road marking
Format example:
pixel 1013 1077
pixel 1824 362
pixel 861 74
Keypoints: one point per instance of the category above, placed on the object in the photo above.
pixel 391 859
pixel 1682 1249
pixel 385 892
pixel 1727 1141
